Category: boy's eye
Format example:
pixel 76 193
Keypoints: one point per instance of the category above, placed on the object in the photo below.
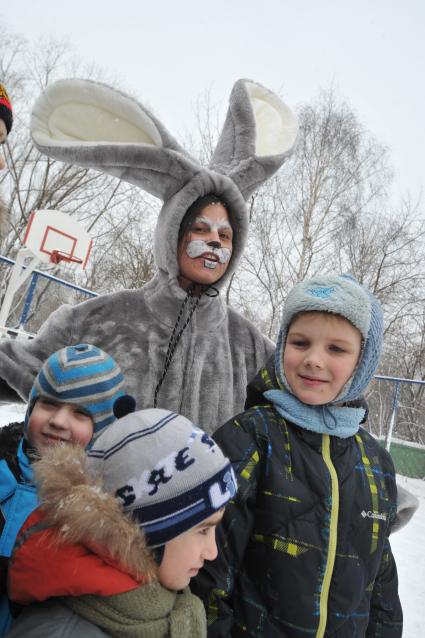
pixel 299 343
pixel 335 348
pixel 81 413
pixel 47 402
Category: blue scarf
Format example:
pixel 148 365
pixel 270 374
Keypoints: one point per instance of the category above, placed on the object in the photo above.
pixel 342 421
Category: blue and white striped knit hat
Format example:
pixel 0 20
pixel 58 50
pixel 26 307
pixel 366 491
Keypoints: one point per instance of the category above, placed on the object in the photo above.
pixel 83 375
pixel 167 473
pixel 340 295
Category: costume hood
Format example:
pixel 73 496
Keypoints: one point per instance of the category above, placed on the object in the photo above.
pixel 93 125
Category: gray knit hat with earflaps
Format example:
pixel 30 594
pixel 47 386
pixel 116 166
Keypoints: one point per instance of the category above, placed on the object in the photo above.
pixel 340 295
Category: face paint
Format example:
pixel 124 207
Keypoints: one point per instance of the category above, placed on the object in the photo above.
pixel 206 246
pixel 198 247
pixel 212 224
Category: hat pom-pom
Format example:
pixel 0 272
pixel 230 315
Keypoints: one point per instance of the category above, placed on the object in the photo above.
pixel 124 405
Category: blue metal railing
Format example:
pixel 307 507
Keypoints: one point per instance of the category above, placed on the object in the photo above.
pixel 397 381
pixel 32 286
pixel 394 403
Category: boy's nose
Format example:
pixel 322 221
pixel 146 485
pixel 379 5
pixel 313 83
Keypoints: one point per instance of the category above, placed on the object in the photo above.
pixel 210 550
pixel 59 418
pixel 313 359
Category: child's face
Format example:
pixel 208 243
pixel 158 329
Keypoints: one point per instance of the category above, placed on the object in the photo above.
pixel 51 423
pixel 184 556
pixel 320 355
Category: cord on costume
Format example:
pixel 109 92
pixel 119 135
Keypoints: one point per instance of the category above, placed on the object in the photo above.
pixel 176 336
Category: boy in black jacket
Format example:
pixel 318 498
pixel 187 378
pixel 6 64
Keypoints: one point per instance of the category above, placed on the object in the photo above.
pixel 304 548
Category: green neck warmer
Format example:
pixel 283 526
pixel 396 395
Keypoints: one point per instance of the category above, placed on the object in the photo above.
pixel 151 611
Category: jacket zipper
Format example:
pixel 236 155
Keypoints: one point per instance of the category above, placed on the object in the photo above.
pixel 333 535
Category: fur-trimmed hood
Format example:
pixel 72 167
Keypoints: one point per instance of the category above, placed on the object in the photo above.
pixel 75 503
pixel 78 541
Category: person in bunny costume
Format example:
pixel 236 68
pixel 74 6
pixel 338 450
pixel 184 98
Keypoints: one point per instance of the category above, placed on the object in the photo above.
pixel 178 344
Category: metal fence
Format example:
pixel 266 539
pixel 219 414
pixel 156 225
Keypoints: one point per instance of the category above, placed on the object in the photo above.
pixel 397 419
pixel 396 405
pixel 31 289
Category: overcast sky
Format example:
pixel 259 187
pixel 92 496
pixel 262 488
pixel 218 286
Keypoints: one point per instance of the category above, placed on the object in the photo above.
pixel 168 52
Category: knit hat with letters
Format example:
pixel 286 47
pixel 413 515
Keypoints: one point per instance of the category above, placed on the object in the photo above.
pixel 5 109
pixel 340 295
pixel 167 473
pixel 83 375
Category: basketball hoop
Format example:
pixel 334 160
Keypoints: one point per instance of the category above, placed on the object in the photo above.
pixel 58 239
pixel 57 256
pixel 51 237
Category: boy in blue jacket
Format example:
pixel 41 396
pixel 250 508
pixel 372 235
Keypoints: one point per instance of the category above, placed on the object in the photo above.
pixel 71 401
pixel 303 549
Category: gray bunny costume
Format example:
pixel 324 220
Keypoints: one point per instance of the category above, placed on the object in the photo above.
pixel 89 124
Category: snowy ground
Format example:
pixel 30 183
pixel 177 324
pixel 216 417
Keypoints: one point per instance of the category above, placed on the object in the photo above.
pixel 406 545
pixel 410 557
pixel 12 412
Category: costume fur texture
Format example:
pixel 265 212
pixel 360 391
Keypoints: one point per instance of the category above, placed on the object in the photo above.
pixel 92 125
pixel 219 352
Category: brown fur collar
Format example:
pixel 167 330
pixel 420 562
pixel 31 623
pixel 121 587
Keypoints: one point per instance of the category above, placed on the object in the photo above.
pixel 76 503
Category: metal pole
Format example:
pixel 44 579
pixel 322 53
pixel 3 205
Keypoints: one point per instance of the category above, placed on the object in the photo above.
pixel 28 301
pixel 396 397
pixel 67 284
pixel 20 273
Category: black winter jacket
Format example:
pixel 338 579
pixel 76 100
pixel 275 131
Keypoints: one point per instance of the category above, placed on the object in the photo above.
pixel 303 550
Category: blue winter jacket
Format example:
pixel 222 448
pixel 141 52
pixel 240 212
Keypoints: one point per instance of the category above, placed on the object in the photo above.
pixel 18 498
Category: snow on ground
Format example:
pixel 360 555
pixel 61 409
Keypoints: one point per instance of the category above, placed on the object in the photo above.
pixel 410 558
pixel 12 412
pixel 406 545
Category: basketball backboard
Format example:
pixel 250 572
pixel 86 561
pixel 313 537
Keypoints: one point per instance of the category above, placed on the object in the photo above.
pixel 55 237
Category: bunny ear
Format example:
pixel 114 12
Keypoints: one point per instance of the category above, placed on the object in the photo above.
pixel 92 125
pixel 259 134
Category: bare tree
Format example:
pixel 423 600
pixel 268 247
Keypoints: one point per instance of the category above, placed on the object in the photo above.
pixel 328 210
pixel 338 172
pixel 102 203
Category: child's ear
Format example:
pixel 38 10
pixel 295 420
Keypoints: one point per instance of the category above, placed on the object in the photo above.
pixel 93 125
pixel 124 405
pixel 259 134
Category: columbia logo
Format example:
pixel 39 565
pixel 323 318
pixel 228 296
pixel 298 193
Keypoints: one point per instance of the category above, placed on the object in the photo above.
pixel 321 293
pixel 375 515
